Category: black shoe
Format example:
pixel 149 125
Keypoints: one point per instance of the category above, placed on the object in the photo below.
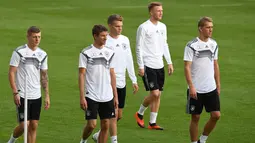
pixel 198 141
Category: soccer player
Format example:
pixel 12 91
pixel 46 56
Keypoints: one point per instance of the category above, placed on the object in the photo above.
pixel 151 45
pixel 97 83
pixel 124 61
pixel 203 79
pixel 30 61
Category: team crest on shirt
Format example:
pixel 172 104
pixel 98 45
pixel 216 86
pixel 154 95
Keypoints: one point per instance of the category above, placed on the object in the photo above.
pixel 192 108
pixel 40 54
pixel 106 54
pixel 162 32
pixel 124 46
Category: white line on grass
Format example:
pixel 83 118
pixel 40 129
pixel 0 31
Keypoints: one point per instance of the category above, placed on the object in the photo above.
pixel 222 5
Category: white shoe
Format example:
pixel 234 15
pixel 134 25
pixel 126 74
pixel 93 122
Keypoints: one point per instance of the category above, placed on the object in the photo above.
pixel 95 137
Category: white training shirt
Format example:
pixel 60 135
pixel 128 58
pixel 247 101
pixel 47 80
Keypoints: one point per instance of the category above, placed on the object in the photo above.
pixel 97 63
pixel 123 59
pixel 29 62
pixel 202 55
pixel 151 45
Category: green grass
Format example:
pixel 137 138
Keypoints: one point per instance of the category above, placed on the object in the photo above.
pixel 66 29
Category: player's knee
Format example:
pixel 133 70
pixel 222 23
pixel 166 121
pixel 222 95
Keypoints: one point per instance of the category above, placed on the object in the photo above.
pixel 155 94
pixel 21 125
pixel 33 126
pixel 91 126
pixel 105 125
pixel 215 116
pixel 195 118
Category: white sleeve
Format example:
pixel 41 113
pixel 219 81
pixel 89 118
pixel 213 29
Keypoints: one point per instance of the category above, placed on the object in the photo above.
pixel 130 65
pixel 44 65
pixel 166 48
pixel 15 59
pixel 139 46
pixel 188 54
pixel 82 61
pixel 216 53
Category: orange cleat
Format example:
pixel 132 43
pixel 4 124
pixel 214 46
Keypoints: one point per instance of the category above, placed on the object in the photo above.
pixel 155 127
pixel 139 120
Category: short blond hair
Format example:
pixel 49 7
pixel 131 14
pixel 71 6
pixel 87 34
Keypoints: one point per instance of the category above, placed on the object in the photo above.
pixel 153 4
pixel 114 17
pixel 203 20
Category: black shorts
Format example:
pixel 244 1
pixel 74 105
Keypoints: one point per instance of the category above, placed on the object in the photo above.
pixel 210 101
pixel 105 110
pixel 153 79
pixel 121 97
pixel 33 109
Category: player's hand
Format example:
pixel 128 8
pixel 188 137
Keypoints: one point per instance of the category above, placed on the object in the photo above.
pixel 218 91
pixel 47 102
pixel 83 104
pixel 193 92
pixel 141 72
pixel 135 88
pixel 116 102
pixel 16 99
pixel 170 69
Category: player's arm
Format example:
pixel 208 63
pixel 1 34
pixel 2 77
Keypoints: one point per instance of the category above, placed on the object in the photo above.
pixel 130 69
pixel 114 88
pixel 45 86
pixel 188 57
pixel 45 82
pixel 217 71
pixel 217 75
pixel 139 49
pixel 167 55
pixel 187 72
pixel 82 73
pixel 15 59
pixel 81 80
pixel 12 78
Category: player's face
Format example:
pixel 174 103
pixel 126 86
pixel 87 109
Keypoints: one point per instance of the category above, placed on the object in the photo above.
pixel 157 12
pixel 116 27
pixel 34 39
pixel 101 38
pixel 207 29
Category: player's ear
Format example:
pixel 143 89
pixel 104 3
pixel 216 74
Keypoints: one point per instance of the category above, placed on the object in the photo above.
pixel 200 29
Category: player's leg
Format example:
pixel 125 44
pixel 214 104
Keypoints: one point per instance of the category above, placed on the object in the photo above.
pixel 103 135
pixel 212 105
pixel 122 101
pixel 150 83
pixel 113 128
pixel 19 130
pixel 33 117
pixel 156 103
pixel 91 117
pixel 194 107
pixel 32 131
pixel 106 113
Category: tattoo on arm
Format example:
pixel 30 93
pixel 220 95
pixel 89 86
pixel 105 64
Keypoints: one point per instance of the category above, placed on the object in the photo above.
pixel 45 81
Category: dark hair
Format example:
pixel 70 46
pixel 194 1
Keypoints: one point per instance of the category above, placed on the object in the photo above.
pixel 33 29
pixel 97 29
pixel 153 4
pixel 114 17
pixel 203 20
